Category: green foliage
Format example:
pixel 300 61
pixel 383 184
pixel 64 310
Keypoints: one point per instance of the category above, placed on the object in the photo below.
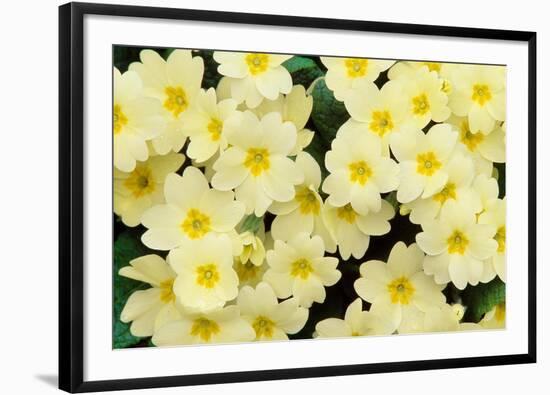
pixel 127 247
pixel 482 298
pixel 211 76
pixel 251 223
pixel 328 113
pixel 303 70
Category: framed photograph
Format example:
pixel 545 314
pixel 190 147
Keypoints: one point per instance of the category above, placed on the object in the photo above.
pixel 253 197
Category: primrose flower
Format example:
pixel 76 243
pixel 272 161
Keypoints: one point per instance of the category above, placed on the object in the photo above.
pixel 490 146
pixel 136 120
pixel 205 276
pixel 426 101
pixel 345 74
pixel 304 212
pixel 495 215
pixel 479 93
pixel 254 76
pixel 175 83
pixel 352 230
pixel 423 161
pixel 147 309
pixel 142 188
pixel 299 268
pixel 270 319
pixel 356 322
pixel 457 246
pixel 447 318
pixel 378 111
pixel 458 188
pixel 257 164
pixel 295 107
pixel 192 211
pixel 359 172
pixel 218 326
pixel 399 289
pixel 203 123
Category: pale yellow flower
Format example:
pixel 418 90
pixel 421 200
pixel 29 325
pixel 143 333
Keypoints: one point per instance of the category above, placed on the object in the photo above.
pixel 270 319
pixel 299 268
pixel 205 276
pixel 254 76
pixel 344 74
pixel 352 230
pixel 136 120
pixel 257 164
pixel 356 322
pixel 399 290
pixel 218 326
pixel 192 211
pixel 148 309
pixel 142 188
pixel 175 83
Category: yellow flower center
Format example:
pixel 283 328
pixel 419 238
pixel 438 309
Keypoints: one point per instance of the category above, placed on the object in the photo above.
pixel 246 271
pixel 500 312
pixel 481 94
pixel 119 119
pixel 308 201
pixel 433 66
pixel 469 139
pixel 401 290
pixel 215 129
pixel 457 243
pixel 381 122
pixel 301 268
pixel 448 192
pixel 359 172
pixel 263 327
pixel 140 181
pixel 207 275
pixel 176 100
pixel 356 67
pixel 166 292
pixel 196 224
pixel 257 160
pixel 257 62
pixel 427 164
pixel 204 328
pixel 421 104
pixel 446 87
pixel 347 213
pixel 500 237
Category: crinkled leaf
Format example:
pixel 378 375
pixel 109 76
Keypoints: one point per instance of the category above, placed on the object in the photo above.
pixel 127 247
pixel 328 113
pixel 302 70
pixel 482 298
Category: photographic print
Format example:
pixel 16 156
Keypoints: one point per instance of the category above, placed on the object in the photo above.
pixel 277 197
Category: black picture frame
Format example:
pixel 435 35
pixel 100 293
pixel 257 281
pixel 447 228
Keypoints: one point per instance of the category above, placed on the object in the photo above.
pixel 71 196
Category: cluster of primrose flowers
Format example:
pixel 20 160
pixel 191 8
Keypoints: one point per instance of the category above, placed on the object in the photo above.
pixel 430 134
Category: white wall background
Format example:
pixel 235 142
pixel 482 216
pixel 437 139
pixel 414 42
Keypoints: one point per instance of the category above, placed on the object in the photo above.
pixel 28 193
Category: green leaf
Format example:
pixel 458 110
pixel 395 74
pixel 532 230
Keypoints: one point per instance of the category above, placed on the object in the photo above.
pixel 211 76
pixel 127 247
pixel 328 113
pixel 302 70
pixel 251 223
pixel 482 298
